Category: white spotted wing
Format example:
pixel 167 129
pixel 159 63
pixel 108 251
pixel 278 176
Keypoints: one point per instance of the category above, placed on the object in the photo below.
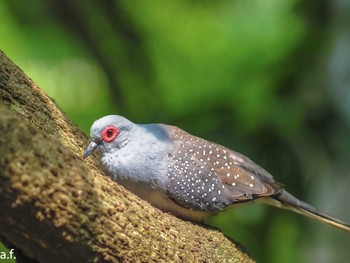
pixel 202 175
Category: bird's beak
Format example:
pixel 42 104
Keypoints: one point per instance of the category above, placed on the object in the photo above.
pixel 90 149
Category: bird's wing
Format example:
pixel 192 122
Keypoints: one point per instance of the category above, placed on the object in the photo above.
pixel 206 176
pixel 250 178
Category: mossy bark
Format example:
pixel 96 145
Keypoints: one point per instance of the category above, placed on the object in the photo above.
pixel 57 208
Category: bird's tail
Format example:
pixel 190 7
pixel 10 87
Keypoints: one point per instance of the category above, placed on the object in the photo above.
pixel 288 201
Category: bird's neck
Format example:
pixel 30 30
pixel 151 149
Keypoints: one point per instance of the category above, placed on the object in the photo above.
pixel 146 164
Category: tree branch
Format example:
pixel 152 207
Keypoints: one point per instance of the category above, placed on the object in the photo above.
pixel 57 208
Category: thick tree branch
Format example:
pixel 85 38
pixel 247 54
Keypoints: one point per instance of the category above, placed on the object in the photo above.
pixel 57 208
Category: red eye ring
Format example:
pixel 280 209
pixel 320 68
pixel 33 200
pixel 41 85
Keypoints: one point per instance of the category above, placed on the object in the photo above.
pixel 110 133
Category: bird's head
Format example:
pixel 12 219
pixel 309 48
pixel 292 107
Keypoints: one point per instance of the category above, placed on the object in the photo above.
pixel 108 134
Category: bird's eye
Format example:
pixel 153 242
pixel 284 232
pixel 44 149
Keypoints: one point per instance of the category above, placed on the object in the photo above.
pixel 110 133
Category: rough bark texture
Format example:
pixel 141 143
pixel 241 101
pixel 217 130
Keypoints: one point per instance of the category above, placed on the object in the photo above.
pixel 57 208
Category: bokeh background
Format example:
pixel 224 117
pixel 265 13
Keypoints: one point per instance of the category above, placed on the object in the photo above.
pixel 268 78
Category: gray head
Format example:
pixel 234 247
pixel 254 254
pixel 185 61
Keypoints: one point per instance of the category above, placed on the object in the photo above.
pixel 109 133
pixel 130 152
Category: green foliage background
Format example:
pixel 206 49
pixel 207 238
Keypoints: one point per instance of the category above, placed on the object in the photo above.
pixel 266 78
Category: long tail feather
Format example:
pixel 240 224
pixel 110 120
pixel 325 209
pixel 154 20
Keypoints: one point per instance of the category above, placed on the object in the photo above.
pixel 288 201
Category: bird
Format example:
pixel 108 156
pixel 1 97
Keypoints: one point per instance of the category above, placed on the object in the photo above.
pixel 185 175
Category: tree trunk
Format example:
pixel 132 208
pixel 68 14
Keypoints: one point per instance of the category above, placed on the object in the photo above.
pixel 57 208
